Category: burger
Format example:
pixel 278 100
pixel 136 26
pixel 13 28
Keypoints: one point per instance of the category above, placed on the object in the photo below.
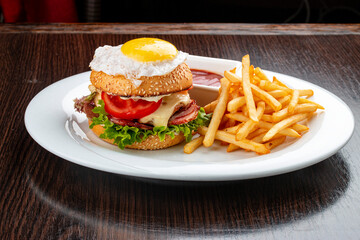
pixel 139 95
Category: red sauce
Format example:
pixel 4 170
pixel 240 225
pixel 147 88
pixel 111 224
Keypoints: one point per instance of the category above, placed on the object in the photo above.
pixel 203 77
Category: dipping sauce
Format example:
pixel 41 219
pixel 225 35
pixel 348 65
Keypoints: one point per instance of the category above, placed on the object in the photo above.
pixel 206 78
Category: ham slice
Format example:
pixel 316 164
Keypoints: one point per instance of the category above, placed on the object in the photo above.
pixel 185 114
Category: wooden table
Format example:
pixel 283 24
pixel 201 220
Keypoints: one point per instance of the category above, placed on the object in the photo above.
pixel 45 197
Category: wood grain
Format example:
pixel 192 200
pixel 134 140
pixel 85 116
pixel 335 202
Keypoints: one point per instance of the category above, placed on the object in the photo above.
pixel 187 28
pixel 45 197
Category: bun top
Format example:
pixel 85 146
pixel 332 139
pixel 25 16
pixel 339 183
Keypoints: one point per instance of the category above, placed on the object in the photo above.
pixel 179 79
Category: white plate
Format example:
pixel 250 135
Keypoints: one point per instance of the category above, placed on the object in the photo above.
pixel 52 122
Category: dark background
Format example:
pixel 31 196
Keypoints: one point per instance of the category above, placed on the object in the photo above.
pixel 233 11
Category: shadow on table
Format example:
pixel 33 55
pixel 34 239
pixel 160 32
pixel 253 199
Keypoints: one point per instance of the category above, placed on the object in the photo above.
pixel 114 204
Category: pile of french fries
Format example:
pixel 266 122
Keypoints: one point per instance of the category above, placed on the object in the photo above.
pixel 254 113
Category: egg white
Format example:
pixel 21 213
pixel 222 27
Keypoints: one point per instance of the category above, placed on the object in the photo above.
pixel 112 61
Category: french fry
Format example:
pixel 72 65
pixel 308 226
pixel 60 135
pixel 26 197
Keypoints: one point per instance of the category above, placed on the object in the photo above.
pixel 306 92
pixel 193 145
pixel 264 83
pixel 294 100
pixel 233 129
pixel 278 82
pixel 278 93
pixel 286 132
pixel 253 113
pixel 284 102
pixel 284 124
pixel 244 109
pixel 257 132
pixel 275 142
pixel 232 147
pixel 279 115
pixel 237 116
pixel 290 132
pixel 254 129
pixel 262 124
pixel 305 107
pixel 259 138
pixel 266 97
pixel 245 143
pixel 255 79
pixel 251 70
pixel 300 128
pixel 269 86
pixel 235 104
pixel 244 130
pixel 234 93
pixel 300 108
pixel 247 88
pixel 210 107
pixel 218 113
pixel 232 77
pixel 259 72
pixel 267 118
pixel 305 100
pixel 256 99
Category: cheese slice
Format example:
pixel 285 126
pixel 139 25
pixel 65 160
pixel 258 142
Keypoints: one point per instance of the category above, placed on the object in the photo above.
pixel 162 115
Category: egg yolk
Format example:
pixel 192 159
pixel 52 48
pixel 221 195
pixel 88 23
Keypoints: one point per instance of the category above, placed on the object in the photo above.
pixel 149 50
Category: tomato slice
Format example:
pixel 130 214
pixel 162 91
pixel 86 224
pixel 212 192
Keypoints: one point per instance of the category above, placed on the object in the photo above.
pixel 128 109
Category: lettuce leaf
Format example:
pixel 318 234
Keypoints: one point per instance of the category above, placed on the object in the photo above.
pixel 125 135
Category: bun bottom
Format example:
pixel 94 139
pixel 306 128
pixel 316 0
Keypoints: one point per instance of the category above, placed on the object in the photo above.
pixel 151 143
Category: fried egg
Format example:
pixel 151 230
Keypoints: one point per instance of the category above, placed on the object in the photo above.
pixel 137 58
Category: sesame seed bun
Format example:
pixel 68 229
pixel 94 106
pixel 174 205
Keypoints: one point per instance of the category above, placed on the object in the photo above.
pixel 151 143
pixel 178 80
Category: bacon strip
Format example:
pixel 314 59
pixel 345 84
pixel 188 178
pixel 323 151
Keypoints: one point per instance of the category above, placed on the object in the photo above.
pixel 185 114
pixel 130 123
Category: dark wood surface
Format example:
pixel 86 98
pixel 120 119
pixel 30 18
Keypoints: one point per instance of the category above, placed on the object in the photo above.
pixel 45 197
pixel 188 28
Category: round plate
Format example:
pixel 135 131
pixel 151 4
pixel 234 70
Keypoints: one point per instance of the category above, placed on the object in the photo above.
pixel 52 122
